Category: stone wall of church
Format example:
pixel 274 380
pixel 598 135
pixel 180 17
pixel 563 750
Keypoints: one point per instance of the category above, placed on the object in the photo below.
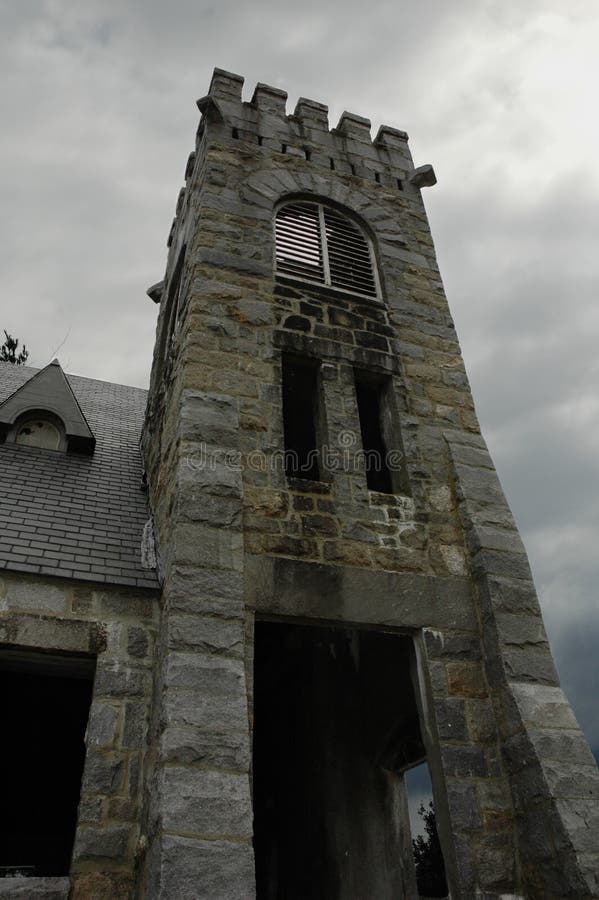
pixel 117 628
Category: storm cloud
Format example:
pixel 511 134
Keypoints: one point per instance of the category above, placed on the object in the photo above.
pixel 98 113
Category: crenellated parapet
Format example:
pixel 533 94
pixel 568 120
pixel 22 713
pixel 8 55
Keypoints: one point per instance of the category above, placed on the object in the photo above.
pixel 347 148
pixel 264 125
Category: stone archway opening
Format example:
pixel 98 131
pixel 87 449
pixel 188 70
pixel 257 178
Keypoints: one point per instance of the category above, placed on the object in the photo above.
pixel 336 724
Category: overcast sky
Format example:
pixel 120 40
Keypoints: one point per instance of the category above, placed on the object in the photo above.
pixel 97 104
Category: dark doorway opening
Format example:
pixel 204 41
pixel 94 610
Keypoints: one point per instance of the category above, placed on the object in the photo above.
pixel 45 707
pixel 335 725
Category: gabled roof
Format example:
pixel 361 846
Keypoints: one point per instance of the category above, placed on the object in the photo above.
pixel 49 390
pixel 72 515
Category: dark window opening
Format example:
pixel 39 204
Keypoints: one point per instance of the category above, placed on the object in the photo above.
pixel 399 184
pixel 300 416
pixel 45 707
pixel 308 154
pixel 235 134
pixel 173 315
pixel 332 163
pixel 353 169
pixel 336 723
pixel 377 177
pixel 260 139
pixel 283 148
pixel 428 856
pixel 369 395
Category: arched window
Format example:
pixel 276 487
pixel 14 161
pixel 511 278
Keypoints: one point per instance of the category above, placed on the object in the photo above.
pixel 39 428
pixel 38 432
pixel 319 244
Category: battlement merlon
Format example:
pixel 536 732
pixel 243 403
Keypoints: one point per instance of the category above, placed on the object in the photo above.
pixel 347 148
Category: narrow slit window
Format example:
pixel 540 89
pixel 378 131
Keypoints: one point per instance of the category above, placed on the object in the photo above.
pixel 320 244
pixel 300 416
pixel 369 396
pixel 45 707
pixel 173 314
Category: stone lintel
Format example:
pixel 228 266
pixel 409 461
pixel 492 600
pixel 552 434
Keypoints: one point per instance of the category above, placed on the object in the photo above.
pixel 278 585
pixel 39 888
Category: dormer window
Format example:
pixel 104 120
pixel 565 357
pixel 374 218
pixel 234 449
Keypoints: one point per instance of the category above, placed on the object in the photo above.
pixel 319 244
pixel 45 413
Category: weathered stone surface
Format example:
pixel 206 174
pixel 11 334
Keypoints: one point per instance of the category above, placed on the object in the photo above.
pixel 443 645
pixel 208 417
pixel 209 712
pixel 35 888
pixel 113 679
pixel 543 706
pixel 495 863
pixel 103 774
pixel 206 870
pixel 137 642
pixel 481 720
pixel 31 595
pixel 101 726
pixel 451 720
pixel 206 591
pixel 110 842
pixel 102 886
pixel 463 760
pixel 209 674
pixel 47 633
pixel 466 679
pixel 206 803
pixel 534 665
pixel 205 635
pixel 135 725
pixel 216 749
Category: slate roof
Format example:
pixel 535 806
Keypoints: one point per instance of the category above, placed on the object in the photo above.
pixel 71 515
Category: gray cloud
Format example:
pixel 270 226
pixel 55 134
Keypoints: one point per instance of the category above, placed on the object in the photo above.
pixel 98 112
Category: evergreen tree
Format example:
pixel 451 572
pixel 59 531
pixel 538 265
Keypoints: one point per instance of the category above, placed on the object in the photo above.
pixel 8 351
pixel 430 869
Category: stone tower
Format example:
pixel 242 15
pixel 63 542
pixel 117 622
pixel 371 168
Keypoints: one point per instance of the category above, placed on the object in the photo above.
pixel 345 593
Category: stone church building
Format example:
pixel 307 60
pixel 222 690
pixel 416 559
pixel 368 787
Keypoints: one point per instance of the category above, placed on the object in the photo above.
pixel 237 609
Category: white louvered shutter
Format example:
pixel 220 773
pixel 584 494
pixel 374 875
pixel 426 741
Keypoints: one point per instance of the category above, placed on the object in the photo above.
pixel 319 244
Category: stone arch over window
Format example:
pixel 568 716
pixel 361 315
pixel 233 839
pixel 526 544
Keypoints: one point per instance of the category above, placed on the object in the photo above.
pixel 319 243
